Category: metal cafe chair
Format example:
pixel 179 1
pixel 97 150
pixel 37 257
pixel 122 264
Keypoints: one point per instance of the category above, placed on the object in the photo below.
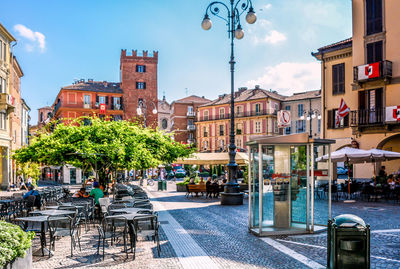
pixel 64 226
pixel 146 226
pixel 112 229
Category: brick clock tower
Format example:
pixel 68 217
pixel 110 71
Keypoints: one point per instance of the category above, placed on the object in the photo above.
pixel 139 85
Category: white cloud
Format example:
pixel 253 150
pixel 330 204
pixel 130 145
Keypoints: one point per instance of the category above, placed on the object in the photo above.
pixel 290 77
pixel 36 39
pixel 274 37
pixel 267 6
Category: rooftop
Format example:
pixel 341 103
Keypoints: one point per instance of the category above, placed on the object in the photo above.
pixel 335 46
pixel 193 99
pixel 94 86
pixel 303 95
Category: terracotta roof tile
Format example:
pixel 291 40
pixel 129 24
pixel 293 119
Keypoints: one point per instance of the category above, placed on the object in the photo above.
pixel 192 99
pixel 95 86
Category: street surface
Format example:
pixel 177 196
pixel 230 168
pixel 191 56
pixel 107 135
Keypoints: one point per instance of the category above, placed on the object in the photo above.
pixel 200 233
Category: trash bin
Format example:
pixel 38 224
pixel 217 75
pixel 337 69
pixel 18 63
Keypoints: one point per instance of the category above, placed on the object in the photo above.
pixel 348 242
pixel 164 185
pixel 160 185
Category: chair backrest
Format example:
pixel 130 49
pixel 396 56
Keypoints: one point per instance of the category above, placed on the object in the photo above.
pixel 126 198
pixel 104 203
pixel 61 222
pixel 30 201
pixel 148 222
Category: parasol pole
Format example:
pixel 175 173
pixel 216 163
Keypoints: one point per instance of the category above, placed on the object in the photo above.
pixel 348 175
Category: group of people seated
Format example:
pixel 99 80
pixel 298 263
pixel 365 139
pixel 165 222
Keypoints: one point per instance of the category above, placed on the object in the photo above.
pixel 392 180
pixel 97 193
pixel 213 188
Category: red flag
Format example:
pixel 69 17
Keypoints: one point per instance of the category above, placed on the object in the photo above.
pixel 343 109
pixel 102 108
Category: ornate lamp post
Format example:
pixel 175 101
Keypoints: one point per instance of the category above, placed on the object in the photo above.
pixel 235 8
pixel 142 109
pixel 309 116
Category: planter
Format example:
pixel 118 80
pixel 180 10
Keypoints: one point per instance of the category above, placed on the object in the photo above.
pixel 25 262
pixel 243 187
pixel 181 188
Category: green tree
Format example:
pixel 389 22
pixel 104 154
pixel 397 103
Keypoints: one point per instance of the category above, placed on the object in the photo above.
pixel 102 146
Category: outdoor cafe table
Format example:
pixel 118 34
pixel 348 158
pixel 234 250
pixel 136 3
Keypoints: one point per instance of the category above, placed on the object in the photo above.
pixel 53 212
pixel 128 210
pixel 42 220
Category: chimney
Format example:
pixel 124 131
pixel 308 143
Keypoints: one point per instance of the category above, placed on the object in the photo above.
pixel 257 87
pixel 105 84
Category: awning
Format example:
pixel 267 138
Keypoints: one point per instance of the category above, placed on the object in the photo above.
pixel 202 158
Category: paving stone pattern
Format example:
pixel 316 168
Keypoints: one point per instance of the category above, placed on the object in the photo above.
pixel 220 234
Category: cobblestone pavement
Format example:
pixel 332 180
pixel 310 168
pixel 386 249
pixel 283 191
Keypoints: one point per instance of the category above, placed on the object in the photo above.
pixel 204 234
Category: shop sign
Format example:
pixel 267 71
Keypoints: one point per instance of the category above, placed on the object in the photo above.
pixel 393 113
pixel 102 108
pixel 284 118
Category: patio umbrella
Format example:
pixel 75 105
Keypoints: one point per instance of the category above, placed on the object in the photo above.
pixel 348 155
pixel 379 155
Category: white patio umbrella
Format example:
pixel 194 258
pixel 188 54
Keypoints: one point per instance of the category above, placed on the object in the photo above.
pixel 379 155
pixel 348 155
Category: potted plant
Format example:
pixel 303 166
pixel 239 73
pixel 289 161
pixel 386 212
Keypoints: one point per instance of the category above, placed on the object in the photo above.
pixel 15 246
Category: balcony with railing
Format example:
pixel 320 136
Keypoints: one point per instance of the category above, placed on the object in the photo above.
pixel 367 117
pixel 374 71
pixel 90 105
pixel 252 113
pixel 191 114
pixel 191 127
pixel 7 102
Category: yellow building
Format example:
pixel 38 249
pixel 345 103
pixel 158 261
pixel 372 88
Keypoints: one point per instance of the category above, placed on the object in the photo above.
pixel 365 71
pixel 6 104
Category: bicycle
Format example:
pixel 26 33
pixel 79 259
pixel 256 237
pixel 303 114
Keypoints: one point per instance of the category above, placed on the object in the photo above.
pixel 150 182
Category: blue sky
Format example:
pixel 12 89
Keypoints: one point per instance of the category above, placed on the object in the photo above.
pixel 59 41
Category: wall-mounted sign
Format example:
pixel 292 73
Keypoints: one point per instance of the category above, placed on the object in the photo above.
pixel 284 118
pixel 393 113
pixel 102 108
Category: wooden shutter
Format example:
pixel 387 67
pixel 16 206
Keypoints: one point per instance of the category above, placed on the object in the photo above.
pixel 346 121
pixel 137 68
pixel 106 100
pixel 144 69
pixel 144 85
pixel 120 101
pixel 334 79
pixel 112 102
pixel 341 87
pixel 330 117
pixel 97 98
pixel 137 85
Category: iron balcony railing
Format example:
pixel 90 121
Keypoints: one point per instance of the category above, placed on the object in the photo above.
pixel 364 117
pixel 385 71
pixel 244 114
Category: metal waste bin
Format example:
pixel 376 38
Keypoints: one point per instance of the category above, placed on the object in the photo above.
pixel 160 185
pixel 164 185
pixel 348 243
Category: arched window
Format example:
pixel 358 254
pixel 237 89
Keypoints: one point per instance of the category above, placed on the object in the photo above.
pixel 41 116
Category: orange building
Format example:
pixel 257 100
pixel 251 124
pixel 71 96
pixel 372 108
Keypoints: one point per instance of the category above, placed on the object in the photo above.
pixel 89 98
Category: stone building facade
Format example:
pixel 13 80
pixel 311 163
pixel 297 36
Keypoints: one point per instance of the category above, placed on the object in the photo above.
pixel 164 115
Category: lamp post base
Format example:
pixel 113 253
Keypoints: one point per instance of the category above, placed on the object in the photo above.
pixel 232 195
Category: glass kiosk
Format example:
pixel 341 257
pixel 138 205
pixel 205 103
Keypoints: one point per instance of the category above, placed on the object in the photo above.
pixel 289 193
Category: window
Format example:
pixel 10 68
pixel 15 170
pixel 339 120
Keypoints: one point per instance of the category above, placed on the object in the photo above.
pixel 140 85
pixel 164 124
pixel 87 99
pixel 288 130
pixel 239 142
pixel 190 136
pixel 190 122
pixel 332 120
pixel 319 125
pixel 190 109
pixel 3 85
pixel 221 130
pixel 300 110
pixel 206 115
pixel 205 145
pixel 1 50
pixel 222 144
pixel 205 132
pixel 258 109
pixel 276 127
pixel 41 116
pixel 300 126
pixel 140 68
pixel 239 111
pixel 4 52
pixel 116 102
pixel 239 127
pixel 221 113
pixel 374 52
pixel 102 99
pixel 374 16
pixel 257 127
pixel 276 108
pixel 287 108
pixel 3 120
pixel 338 79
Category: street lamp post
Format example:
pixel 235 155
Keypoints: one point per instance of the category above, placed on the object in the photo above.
pixel 309 116
pixel 235 8
pixel 142 109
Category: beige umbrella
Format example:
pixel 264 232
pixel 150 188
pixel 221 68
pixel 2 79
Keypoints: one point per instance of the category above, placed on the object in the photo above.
pixel 203 158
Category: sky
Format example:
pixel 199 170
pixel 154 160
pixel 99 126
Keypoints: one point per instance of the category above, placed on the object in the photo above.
pixel 60 41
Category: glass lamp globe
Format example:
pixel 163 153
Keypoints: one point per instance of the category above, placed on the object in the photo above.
pixel 302 117
pixel 308 118
pixel 313 116
pixel 239 34
pixel 154 111
pixel 206 23
pixel 139 111
pixel 319 117
pixel 251 16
